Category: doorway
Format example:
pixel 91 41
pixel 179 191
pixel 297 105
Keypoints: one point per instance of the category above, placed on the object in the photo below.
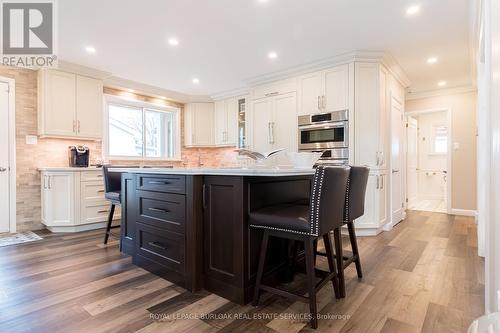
pixel 7 156
pixel 428 160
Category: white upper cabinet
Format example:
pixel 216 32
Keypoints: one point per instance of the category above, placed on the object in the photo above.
pixel 324 91
pixel 310 92
pixel 89 104
pixel 275 88
pixel 226 122
pixel 199 124
pixel 274 123
pixel 57 103
pixel 69 105
pixel 336 93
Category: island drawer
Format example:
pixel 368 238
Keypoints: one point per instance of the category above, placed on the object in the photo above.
pixel 162 183
pixel 162 210
pixel 161 246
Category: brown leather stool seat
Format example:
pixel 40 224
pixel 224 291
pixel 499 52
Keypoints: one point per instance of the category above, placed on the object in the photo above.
pixel 307 224
pixel 294 218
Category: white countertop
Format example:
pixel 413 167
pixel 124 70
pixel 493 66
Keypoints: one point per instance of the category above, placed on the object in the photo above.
pixel 69 169
pixel 265 172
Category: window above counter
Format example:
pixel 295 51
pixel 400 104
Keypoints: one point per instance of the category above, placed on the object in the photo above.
pixel 136 130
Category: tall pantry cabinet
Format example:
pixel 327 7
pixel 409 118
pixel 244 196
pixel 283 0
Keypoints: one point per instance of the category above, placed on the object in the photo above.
pixel 373 89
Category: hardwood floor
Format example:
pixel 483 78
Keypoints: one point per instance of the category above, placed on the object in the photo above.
pixel 424 275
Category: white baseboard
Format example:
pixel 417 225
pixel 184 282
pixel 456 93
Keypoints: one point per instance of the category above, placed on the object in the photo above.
pixel 77 228
pixel 463 212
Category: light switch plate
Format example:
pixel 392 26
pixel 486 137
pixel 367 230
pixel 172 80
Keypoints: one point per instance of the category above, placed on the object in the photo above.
pixel 31 139
pixel 456 145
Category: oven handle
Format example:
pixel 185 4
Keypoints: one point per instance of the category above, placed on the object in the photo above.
pixel 324 125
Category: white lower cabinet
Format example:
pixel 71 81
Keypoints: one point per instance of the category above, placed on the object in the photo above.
pixel 375 217
pixel 73 200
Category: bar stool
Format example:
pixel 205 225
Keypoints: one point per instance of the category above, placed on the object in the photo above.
pixel 112 188
pixel 354 208
pixel 306 224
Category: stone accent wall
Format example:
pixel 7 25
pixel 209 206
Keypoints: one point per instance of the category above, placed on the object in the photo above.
pixel 53 152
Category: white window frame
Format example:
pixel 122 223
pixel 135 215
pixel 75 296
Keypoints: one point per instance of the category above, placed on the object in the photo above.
pixel 111 99
pixel 432 150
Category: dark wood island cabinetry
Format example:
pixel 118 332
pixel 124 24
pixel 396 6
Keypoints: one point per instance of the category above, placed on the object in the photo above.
pixel 192 229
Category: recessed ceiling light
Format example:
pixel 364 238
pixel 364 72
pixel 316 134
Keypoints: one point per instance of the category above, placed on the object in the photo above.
pixel 90 49
pixel 131 90
pixel 163 97
pixel 412 10
pixel 196 80
pixel 262 1
pixel 173 41
pixel 442 83
pixel 272 55
pixel 432 60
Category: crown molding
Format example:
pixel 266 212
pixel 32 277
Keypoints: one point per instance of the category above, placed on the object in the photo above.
pixel 440 92
pixel 66 66
pixel 345 58
pixel 231 93
pixel 146 89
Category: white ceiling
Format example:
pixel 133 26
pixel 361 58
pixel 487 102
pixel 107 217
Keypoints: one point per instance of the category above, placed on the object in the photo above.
pixel 225 42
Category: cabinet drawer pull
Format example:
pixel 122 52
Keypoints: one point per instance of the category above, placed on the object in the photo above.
pixel 157 182
pixel 103 211
pixel 100 191
pixel 100 176
pixel 161 210
pixel 157 245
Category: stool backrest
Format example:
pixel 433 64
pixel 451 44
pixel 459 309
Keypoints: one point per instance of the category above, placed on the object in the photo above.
pixel 327 199
pixel 356 192
pixel 112 180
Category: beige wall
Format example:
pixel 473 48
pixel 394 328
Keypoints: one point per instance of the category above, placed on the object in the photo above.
pixel 463 113
pixel 53 152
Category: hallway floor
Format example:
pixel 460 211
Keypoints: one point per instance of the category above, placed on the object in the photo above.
pixel 423 276
pixel 429 205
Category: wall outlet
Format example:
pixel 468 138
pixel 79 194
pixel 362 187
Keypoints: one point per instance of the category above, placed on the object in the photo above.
pixel 31 139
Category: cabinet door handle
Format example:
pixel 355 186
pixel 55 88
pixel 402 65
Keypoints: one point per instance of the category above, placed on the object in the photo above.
pixel 103 211
pixel 269 132
pixel 78 126
pixel 272 130
pixel 319 102
pixel 204 196
pixel 377 157
pixel 378 182
pixel 100 191
pixel 381 182
pixel 74 126
pixel 45 182
pixel 161 210
pixel 157 245
pixel 324 101
pixel 49 182
pixel 272 94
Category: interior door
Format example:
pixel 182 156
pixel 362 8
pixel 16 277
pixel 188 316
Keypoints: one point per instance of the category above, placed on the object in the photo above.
pixel 396 156
pixel 261 124
pixel 412 160
pixel 4 158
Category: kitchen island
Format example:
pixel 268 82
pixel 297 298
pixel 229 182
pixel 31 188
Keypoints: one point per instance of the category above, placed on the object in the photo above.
pixel 190 226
